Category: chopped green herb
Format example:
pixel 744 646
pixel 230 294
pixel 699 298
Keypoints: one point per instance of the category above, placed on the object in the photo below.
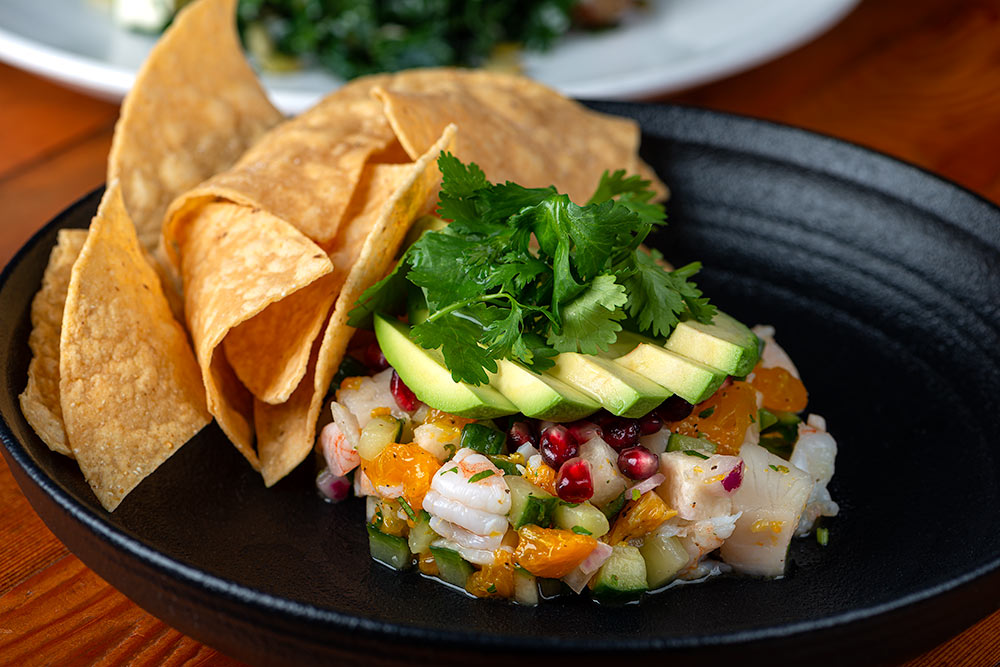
pixel 492 588
pixel 481 475
pixel 615 506
pixel 580 530
pixel 518 568
pixel 706 413
pixel 506 465
pixel 635 494
pixel 452 450
pixel 822 536
pixel 753 420
pixel 454 470
pixel 524 273
pixel 782 469
pixel 695 452
pixel 407 508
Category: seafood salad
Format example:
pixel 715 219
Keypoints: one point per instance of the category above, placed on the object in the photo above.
pixel 655 455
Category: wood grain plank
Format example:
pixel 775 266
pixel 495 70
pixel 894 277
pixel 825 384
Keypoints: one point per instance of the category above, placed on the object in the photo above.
pixel 57 115
pixel 34 195
pixel 979 646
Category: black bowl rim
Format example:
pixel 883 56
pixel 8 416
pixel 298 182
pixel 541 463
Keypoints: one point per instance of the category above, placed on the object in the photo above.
pixel 757 130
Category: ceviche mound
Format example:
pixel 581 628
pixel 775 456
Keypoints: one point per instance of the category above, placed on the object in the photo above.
pixel 435 280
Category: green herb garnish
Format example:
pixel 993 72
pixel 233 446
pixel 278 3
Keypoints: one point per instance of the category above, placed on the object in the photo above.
pixel 492 588
pixel 706 413
pixel 493 294
pixel 695 452
pixel 782 469
pixel 635 494
pixel 481 475
pixel 407 509
pixel 823 536
pixel 580 530
pixel 454 470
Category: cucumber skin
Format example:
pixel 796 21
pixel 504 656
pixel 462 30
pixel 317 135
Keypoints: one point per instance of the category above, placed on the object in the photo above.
pixel 623 575
pixel 389 549
pixel 483 439
pixel 452 568
pixel 530 504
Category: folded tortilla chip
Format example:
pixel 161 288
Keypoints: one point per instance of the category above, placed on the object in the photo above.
pixel 40 399
pixel 129 386
pixel 237 261
pixel 195 107
pixel 514 128
pixel 389 198
pixel 304 171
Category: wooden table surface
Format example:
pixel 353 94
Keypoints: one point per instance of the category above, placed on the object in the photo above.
pixel 918 79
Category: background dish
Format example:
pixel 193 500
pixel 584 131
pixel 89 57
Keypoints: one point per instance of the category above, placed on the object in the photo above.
pixel 679 43
pixel 881 280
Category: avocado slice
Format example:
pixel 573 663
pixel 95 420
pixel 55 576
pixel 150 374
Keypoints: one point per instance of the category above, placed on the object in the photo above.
pixel 541 396
pixel 690 379
pixel 424 372
pixel 726 344
pixel 621 391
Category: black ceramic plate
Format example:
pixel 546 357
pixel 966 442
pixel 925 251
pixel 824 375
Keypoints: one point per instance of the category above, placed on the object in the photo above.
pixel 884 284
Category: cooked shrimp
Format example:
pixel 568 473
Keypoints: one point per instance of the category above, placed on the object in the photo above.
pixel 341 456
pixel 486 524
pixel 463 537
pixel 816 453
pixel 472 480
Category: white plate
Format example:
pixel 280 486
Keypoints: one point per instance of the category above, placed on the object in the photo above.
pixel 670 45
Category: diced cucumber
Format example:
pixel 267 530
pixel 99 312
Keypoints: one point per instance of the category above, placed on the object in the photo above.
pixel 623 573
pixel 584 519
pixel 525 588
pixel 451 567
pixel 421 534
pixel 483 439
pixel 377 434
pixel 683 443
pixel 529 503
pixel 664 556
pixel 388 549
pixel 779 438
pixel 505 464
pixel 766 419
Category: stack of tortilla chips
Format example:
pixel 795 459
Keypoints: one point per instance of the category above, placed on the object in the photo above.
pixel 261 234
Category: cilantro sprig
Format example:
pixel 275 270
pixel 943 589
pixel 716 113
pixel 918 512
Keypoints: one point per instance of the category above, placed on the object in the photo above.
pixel 525 273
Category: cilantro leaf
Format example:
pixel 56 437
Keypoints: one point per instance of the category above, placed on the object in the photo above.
pixel 653 301
pixel 589 322
pixel 632 191
pixel 383 296
pixel 458 337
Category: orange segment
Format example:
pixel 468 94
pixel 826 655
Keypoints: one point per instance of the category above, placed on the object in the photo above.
pixel 544 477
pixel 782 391
pixel 406 465
pixel 551 552
pixel 496 580
pixel 640 517
pixel 723 418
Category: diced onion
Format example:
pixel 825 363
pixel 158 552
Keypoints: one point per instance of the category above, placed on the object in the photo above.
pixel 645 485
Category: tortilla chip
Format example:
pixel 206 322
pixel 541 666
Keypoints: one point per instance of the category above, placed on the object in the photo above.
pixel 304 171
pixel 286 432
pixel 237 261
pixel 40 400
pixel 129 385
pixel 514 128
pixel 195 107
pixel 270 351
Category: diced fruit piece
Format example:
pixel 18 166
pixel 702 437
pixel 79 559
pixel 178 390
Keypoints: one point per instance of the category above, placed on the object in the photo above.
pixel 650 424
pixel 551 552
pixel 374 358
pixel 521 433
pixel 684 443
pixel 574 483
pixel 583 518
pixel 771 498
pixel 608 480
pixel 557 446
pixel 529 503
pixel 640 517
pixel 621 391
pixel 781 390
pixel 389 517
pixel 425 373
pixel 623 574
pixel 377 435
pixel 724 418
pixel 388 549
pixel 405 398
pixel 585 429
pixel 694 483
pixel 525 588
pixel 638 463
pixel 404 465
pixel 674 409
pixel 541 475
pixel 620 432
pixel 692 380
pixel 540 396
pixel 665 556
pixel 494 580
pixel 726 344
pixel 483 439
pixel 421 535
pixel 452 567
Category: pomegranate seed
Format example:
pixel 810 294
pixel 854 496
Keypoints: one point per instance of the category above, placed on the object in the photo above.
pixel 558 446
pixel 650 424
pixel 374 359
pixel 405 398
pixel 521 433
pixel 574 483
pixel 621 433
pixel 674 409
pixel 638 463
pixel 583 430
